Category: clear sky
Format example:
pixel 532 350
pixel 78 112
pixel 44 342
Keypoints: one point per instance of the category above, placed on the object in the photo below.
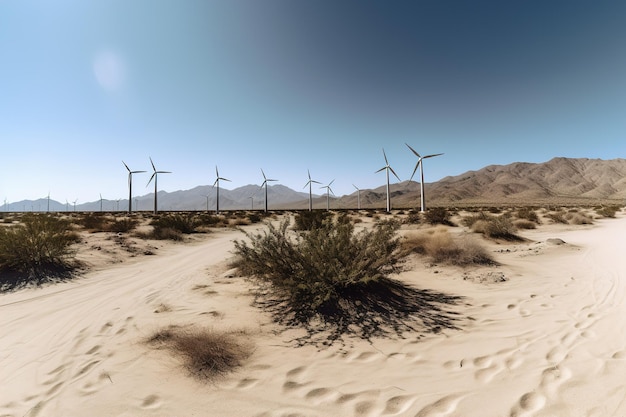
pixel 289 85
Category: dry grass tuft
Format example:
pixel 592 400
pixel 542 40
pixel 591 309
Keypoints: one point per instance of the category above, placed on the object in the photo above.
pixel 442 248
pixel 525 224
pixel 207 354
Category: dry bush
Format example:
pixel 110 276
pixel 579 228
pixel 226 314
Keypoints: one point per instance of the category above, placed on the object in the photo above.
pixel 494 227
pixel 438 215
pixel 526 213
pixel 525 224
pixel 607 211
pixel 578 218
pixel 442 248
pixel 36 249
pixel 557 217
pixel 123 225
pixel 308 220
pixel 207 354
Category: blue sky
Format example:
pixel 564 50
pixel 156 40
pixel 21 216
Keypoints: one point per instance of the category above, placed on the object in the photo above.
pixel 294 85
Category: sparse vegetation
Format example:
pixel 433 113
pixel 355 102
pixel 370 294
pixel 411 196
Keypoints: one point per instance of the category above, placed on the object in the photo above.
pixel 607 211
pixel 438 215
pixel 308 220
pixel 36 249
pixel 337 278
pixel 524 224
pixel 527 213
pixel 439 245
pixel 494 227
pixel 207 354
pixel 557 217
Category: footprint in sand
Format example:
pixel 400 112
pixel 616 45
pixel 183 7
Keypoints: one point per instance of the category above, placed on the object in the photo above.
pixel 486 375
pixel 619 355
pixel 247 383
pixel 319 395
pixel 151 402
pixel 556 355
pixel 529 402
pixel 399 404
pixel 441 408
pixel 364 357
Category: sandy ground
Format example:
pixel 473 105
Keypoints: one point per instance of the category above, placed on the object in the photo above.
pixel 548 341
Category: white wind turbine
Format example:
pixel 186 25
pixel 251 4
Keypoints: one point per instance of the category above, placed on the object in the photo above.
pixel 328 191
pixel 217 181
pixel 130 186
pixel 358 197
pixel 100 201
pixel 420 163
pixel 388 168
pixel 265 181
pixel 74 202
pixel 155 175
pixel 309 183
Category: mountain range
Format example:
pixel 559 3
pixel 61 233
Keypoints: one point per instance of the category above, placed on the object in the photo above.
pixel 558 181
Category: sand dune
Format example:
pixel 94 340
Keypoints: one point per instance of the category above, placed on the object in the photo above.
pixel 549 341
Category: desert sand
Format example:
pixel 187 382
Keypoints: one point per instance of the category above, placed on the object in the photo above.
pixel 543 334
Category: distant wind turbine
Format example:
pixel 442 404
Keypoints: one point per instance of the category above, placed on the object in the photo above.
pixel 217 181
pixel 100 201
pixel 358 196
pixel 48 202
pixel 265 181
pixel 75 204
pixel 207 201
pixel 155 175
pixel 251 202
pixel 388 168
pixel 420 163
pixel 130 186
pixel 328 191
pixel 309 183
pixel 67 205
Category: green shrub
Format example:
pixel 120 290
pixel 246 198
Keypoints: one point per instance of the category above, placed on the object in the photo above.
pixel 438 215
pixel 309 220
pixel 123 225
pixel 94 222
pixel 182 223
pixel 37 248
pixel 334 276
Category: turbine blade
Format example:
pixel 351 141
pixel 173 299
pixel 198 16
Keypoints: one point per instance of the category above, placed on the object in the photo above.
pixel 385 155
pixel 316 182
pixel 216 181
pixel 164 172
pixel 380 169
pixel 217 174
pixel 430 156
pixel 419 161
pixel 331 182
pixel 394 173
pixel 153 168
pixel 264 177
pixel 126 166
pixel 150 180
pixel 309 172
pixel 136 172
pixel 414 151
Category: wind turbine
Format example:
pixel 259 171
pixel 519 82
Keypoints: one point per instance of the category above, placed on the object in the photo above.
pixel 207 201
pixel 358 196
pixel 6 205
pixel 217 181
pixel 155 175
pixel 420 163
pixel 75 204
pixel 100 201
pixel 130 186
pixel 67 204
pixel 265 181
pixel 251 202
pixel 309 183
pixel 328 191
pixel 388 168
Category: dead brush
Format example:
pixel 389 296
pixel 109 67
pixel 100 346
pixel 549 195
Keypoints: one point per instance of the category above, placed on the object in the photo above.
pixel 441 247
pixel 207 354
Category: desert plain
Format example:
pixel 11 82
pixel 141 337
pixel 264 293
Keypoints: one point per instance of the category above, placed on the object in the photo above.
pixel 541 332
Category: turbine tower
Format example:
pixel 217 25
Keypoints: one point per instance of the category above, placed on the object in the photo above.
pixel 130 187
pixel 328 191
pixel 74 202
pixel 100 201
pixel 388 168
pixel 358 196
pixel 155 175
pixel 265 181
pixel 217 181
pixel 420 163
pixel 309 183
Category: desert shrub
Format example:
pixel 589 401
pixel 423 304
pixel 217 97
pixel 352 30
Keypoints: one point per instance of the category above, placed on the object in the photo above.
pixel 254 217
pixel 470 220
pixel 525 224
pixel 308 220
pixel 413 217
pixel 442 248
pixel 207 354
pixel 209 220
pixel 94 222
pixel 337 278
pixel 438 215
pixel 239 221
pixel 529 214
pixel 494 210
pixel 183 223
pixel 557 217
pixel 494 227
pixel 37 248
pixel 578 218
pixel 607 211
pixel 164 233
pixel 123 225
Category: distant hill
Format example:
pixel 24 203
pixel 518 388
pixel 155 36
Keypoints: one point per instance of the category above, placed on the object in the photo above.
pixel 558 181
